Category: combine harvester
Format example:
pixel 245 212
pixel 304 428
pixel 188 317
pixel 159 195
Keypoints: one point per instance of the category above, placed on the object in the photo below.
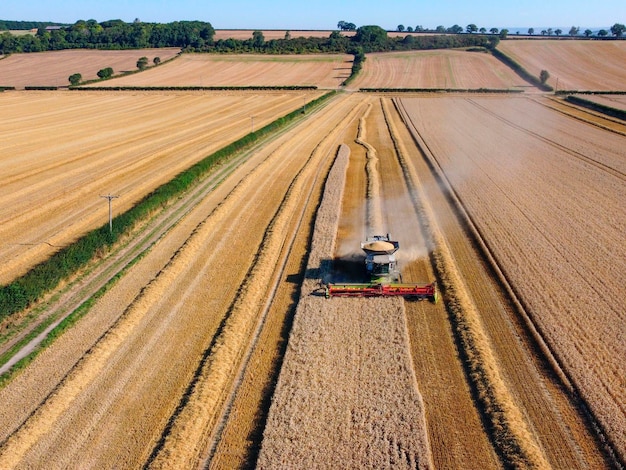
pixel 385 278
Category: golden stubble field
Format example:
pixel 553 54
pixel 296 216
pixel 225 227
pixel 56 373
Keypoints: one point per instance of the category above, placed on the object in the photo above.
pixel 577 65
pixel 176 366
pixel 323 71
pixel 61 151
pixel 54 68
pixel 435 69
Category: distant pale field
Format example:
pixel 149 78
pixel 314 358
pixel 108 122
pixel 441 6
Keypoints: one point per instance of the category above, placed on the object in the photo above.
pixel 435 69
pixel 274 33
pixel 324 71
pixel 577 65
pixel 53 68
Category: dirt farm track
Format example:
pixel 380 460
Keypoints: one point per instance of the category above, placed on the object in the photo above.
pixel 205 339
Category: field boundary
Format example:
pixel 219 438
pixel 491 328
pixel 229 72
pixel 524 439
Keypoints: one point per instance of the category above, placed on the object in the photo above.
pixel 608 110
pixel 520 70
pixel 196 88
pixel 441 90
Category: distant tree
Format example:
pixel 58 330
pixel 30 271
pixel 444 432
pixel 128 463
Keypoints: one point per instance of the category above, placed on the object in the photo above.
pixel 471 28
pixel 482 30
pixel 531 31
pixel 287 35
pixel 455 29
pixel 543 76
pixel 75 79
pixel 574 31
pixel 400 27
pixel 558 32
pixel 142 63
pixel 156 60
pixel 544 32
pixel 258 39
pixel 419 28
pixel 493 30
pixel 618 30
pixel 549 31
pixel 105 73
pixel 588 33
pixel 602 33
pixel 504 33
pixel 493 42
pixel 409 29
pixel 346 26
pixel 440 29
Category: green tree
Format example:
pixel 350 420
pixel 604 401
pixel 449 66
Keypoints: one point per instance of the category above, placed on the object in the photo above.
pixel 531 31
pixel 400 27
pixel 471 28
pixel 142 63
pixel 371 37
pixel 75 79
pixel 588 33
pixel 258 39
pixel 105 73
pixel 543 76
pixel 504 33
pixel 409 29
pixel 156 60
pixel 602 33
pixel 455 29
pixel 558 32
pixel 574 31
pixel 618 30
pixel 440 29
pixel 493 30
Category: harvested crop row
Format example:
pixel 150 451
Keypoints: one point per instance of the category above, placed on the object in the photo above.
pixel 346 392
pixel 556 420
pixel 440 373
pixel 197 420
pixel 238 442
pixel 176 317
pixel 55 170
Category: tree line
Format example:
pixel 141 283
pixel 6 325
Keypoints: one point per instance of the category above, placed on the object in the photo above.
pixel 197 36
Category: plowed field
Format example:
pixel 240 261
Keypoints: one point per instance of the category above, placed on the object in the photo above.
pixel 578 65
pixel 435 69
pixel 324 71
pixel 54 68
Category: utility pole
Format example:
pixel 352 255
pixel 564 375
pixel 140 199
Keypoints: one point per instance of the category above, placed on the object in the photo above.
pixel 110 198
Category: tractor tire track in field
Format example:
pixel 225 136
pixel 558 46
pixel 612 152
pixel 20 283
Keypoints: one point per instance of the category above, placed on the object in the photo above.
pixel 553 393
pixel 602 166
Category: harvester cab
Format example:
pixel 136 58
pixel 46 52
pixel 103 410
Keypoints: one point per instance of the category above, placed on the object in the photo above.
pixel 380 259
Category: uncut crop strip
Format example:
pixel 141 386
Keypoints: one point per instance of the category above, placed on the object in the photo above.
pixel 305 426
pixel 124 453
pixel 565 417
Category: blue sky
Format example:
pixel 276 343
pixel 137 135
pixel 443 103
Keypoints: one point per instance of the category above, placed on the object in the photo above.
pixel 324 14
